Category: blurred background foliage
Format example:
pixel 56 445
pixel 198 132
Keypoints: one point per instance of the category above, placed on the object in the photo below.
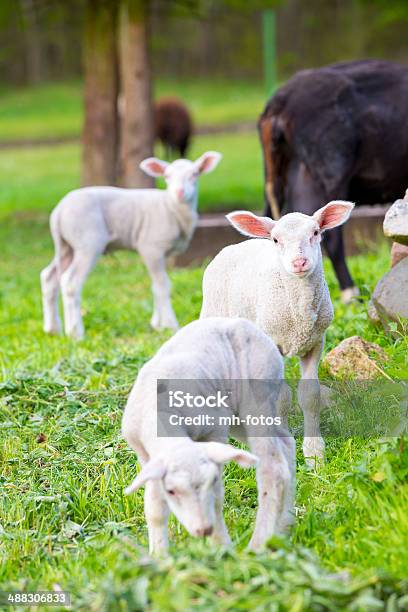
pixel 41 40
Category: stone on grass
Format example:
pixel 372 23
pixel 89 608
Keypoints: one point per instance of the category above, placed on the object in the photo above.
pixel 373 314
pixel 396 221
pixel 398 252
pixel 390 296
pixel 355 358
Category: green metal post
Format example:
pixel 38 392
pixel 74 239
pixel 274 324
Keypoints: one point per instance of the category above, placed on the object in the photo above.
pixel 269 50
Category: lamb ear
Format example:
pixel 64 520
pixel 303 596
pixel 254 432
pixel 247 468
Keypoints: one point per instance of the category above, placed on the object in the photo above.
pixel 333 214
pixel 208 162
pixel 222 453
pixel 251 225
pixel 152 470
pixel 153 166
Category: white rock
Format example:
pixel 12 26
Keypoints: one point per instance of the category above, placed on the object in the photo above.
pixel 396 221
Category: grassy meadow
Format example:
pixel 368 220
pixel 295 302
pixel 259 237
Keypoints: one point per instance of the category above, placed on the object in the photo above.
pixel 64 519
pixel 55 110
pixel 37 177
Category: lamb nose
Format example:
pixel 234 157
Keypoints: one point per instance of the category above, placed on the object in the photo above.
pixel 299 263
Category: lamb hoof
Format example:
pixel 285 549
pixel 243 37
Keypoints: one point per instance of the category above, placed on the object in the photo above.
pixel 159 553
pixel 53 331
pixel 348 295
pixel 313 450
pixel 254 546
pixel 76 334
pixel 173 326
pixel 155 321
pixel 222 540
pixel 159 324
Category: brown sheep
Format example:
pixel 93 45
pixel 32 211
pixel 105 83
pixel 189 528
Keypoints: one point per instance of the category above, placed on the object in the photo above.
pixel 173 125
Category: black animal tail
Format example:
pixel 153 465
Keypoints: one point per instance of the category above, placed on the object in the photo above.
pixel 276 158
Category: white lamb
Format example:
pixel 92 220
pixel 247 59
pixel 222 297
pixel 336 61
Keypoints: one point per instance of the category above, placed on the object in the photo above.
pixel 94 220
pixel 183 474
pixel 278 283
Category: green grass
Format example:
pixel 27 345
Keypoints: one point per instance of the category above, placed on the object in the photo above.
pixel 45 111
pixel 37 178
pixel 63 516
pixel 55 110
pixel 63 465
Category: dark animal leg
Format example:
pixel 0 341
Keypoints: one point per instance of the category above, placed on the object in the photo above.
pixel 334 245
pixel 305 195
pixel 183 146
pixel 267 209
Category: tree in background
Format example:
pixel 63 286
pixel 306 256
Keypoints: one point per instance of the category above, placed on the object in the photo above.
pixel 116 60
pixel 32 41
pixel 101 88
pixel 39 40
pixel 185 33
pixel 137 136
pixel 42 40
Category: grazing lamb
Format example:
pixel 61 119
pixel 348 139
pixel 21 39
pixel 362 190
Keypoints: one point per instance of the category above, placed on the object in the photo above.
pixel 279 284
pixel 183 474
pixel 94 220
pixel 173 125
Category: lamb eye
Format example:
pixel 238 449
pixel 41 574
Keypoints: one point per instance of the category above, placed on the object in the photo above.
pixel 171 492
pixel 315 233
pixel 275 240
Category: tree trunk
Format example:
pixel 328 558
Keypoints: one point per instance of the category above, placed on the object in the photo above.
pixel 100 132
pixel 137 110
pixel 34 63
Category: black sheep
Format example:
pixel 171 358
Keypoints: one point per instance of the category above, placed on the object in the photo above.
pixel 337 132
